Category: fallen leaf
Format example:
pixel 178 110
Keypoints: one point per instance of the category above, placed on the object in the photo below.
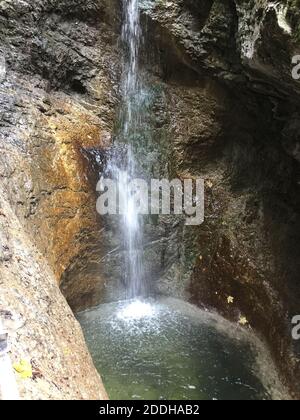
pixel 243 321
pixel 24 369
pixel 230 300
pixel 209 184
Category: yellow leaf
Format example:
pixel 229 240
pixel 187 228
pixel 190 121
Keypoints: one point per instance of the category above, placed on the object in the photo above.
pixel 24 369
pixel 243 321
pixel 230 300
pixel 209 184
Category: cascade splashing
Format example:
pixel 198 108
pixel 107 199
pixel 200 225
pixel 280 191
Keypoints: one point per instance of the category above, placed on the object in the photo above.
pixel 122 164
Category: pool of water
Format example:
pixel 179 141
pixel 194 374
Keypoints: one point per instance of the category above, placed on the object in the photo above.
pixel 170 350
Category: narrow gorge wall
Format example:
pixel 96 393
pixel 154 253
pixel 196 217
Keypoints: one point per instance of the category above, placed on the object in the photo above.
pixel 234 120
pixel 42 330
pixel 58 99
pixel 58 92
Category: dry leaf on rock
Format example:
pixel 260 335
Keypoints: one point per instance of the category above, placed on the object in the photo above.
pixel 23 368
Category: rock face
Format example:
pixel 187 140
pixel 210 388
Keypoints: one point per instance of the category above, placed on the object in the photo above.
pixel 226 68
pixel 42 329
pixel 58 90
pixel 58 96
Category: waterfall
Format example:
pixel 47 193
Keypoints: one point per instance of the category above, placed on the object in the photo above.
pixel 122 164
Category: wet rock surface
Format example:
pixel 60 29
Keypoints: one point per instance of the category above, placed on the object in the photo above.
pixel 233 108
pixel 59 90
pixel 59 70
pixel 41 327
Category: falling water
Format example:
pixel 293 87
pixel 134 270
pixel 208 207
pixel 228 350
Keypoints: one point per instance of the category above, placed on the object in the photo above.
pixel 123 168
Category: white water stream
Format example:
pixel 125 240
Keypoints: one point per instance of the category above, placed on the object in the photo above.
pixel 123 168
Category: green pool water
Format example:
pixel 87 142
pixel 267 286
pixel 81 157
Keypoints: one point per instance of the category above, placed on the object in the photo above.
pixel 171 350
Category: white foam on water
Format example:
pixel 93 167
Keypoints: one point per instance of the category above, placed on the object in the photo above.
pixel 136 310
pixel 165 346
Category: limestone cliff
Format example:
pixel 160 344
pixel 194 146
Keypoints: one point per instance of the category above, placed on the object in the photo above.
pixel 58 90
pixel 226 68
pixel 42 329
pixel 58 96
